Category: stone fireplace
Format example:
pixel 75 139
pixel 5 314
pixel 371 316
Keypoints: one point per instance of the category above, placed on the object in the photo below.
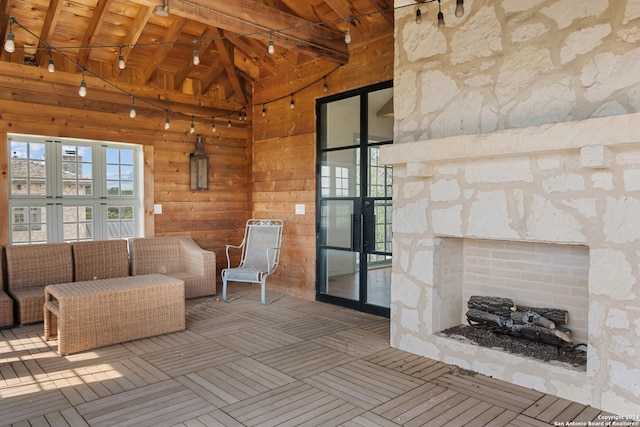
pixel 546 215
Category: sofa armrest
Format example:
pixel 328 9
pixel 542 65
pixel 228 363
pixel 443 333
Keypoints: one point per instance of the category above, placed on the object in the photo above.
pixel 195 260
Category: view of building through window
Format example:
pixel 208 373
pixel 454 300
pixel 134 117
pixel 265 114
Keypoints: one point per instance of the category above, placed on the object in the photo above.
pixel 71 190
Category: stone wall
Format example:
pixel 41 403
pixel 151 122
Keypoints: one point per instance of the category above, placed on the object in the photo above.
pixel 573 184
pixel 518 122
pixel 514 63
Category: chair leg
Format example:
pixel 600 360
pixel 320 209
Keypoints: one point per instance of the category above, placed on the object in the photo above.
pixel 224 288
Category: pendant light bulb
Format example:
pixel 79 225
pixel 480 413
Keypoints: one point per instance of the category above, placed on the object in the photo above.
pixel 325 86
pixel 264 110
pixel 441 23
pixel 459 8
pixel 213 124
pixel 292 103
pixel 121 63
pixel 196 57
pixel 9 44
pixel 132 112
pixel 418 16
pixel 192 129
pixel 347 36
pixel 83 86
pixel 51 68
pixel 229 122
pixel 271 49
pixel 167 122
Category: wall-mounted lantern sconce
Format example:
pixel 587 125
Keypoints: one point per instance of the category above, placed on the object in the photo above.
pixel 199 167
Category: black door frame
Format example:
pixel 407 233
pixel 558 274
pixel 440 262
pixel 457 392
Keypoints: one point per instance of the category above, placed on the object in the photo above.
pixel 363 223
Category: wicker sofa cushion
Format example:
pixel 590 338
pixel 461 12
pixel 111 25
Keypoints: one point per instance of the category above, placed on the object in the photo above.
pixel 38 265
pixel 100 259
pixel 154 255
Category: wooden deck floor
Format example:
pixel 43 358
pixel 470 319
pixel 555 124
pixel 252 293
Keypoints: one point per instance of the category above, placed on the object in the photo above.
pixel 293 363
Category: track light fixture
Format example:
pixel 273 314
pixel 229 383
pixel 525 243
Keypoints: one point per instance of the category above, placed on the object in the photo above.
pixel 9 43
pixel 162 10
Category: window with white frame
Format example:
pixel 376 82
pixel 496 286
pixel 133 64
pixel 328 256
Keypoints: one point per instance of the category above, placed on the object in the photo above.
pixel 64 190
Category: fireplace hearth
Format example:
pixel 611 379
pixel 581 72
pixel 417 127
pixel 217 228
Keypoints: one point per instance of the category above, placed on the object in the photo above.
pixel 547 216
pixel 575 357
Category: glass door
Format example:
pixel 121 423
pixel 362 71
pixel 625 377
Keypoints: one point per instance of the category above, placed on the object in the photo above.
pixel 354 200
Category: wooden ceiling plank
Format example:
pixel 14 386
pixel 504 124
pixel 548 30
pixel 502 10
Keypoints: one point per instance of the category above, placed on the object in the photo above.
pixel 42 84
pixel 211 77
pixel 163 49
pixel 225 51
pixel 385 7
pixel 95 25
pixel 249 18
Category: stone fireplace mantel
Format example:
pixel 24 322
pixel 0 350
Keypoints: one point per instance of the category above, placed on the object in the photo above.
pixel 568 185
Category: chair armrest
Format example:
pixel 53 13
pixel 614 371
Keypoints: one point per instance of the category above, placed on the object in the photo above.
pixel 272 262
pixel 227 247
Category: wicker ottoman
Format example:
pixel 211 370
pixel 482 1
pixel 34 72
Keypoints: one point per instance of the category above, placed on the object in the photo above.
pixel 6 310
pixel 97 313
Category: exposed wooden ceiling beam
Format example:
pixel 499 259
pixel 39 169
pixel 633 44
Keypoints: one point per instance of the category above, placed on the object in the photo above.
pixel 225 51
pixel 249 18
pixel 43 86
pixel 163 49
pixel 134 33
pixel 385 7
pixel 91 34
pixel 48 27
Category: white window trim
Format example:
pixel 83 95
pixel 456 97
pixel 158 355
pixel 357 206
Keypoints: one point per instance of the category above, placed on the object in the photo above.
pixel 100 201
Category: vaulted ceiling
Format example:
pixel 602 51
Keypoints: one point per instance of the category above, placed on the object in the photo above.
pixel 157 40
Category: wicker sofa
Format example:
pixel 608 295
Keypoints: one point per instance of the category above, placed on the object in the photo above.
pixel 6 303
pixel 31 268
pixel 178 257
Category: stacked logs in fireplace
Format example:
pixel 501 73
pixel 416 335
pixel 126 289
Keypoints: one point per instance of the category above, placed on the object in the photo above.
pixel 501 315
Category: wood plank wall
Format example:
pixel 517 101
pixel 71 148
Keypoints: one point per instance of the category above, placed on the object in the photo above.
pixel 259 169
pixel 284 156
pixel 213 218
